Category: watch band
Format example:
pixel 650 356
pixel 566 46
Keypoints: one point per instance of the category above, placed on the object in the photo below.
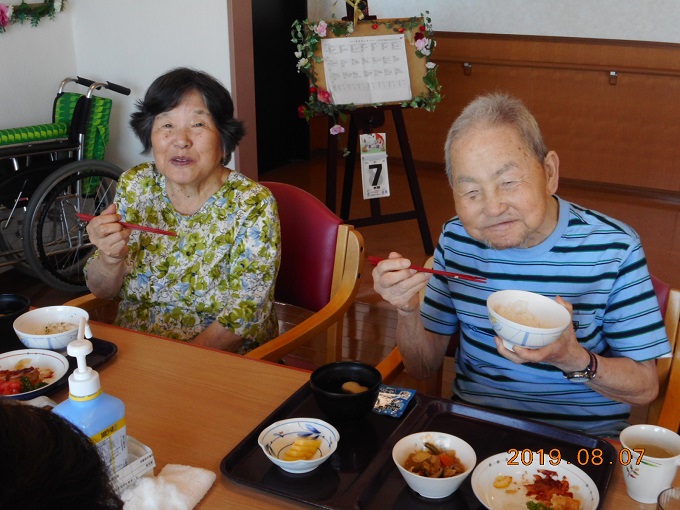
pixel 587 373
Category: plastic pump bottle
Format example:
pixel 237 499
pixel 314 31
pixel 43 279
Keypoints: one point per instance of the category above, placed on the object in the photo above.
pixel 99 415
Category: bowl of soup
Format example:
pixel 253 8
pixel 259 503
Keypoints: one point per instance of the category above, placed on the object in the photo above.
pixel 526 319
pixel 345 390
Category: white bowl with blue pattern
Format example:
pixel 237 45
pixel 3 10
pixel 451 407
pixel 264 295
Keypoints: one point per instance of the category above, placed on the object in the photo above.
pixel 50 327
pixel 276 439
pixel 544 319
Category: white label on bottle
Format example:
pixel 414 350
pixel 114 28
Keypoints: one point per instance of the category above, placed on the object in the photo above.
pixel 111 443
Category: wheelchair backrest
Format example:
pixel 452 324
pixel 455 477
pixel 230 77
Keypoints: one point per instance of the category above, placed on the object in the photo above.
pixel 91 120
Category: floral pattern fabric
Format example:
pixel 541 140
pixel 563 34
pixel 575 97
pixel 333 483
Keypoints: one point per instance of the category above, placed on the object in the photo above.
pixel 222 265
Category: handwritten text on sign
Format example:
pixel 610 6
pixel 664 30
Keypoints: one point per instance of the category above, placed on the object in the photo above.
pixel 366 70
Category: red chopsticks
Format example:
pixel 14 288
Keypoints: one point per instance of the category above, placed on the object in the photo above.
pixel 131 226
pixel 458 276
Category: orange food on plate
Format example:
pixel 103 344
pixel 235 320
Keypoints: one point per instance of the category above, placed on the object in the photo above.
pixel 14 382
pixel 554 493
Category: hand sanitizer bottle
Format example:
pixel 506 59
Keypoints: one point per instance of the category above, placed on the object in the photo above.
pixel 99 415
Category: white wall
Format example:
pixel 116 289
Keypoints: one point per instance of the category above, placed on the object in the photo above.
pixel 33 61
pixel 649 20
pixel 126 42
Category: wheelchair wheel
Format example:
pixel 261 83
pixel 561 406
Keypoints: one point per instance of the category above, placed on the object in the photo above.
pixel 15 190
pixel 11 239
pixel 56 245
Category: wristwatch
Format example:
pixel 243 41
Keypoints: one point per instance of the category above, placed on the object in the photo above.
pixel 586 374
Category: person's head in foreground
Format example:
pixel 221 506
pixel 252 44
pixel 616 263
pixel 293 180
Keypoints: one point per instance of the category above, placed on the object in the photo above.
pixel 48 463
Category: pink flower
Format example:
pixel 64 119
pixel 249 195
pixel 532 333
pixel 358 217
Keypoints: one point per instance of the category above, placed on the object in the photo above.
pixel 337 129
pixel 422 45
pixel 5 14
pixel 301 111
pixel 320 28
pixel 323 95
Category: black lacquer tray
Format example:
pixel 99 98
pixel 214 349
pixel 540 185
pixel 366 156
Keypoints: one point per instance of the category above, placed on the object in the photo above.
pixel 102 351
pixel 361 473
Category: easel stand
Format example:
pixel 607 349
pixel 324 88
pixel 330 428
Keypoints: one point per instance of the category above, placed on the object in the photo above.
pixel 364 120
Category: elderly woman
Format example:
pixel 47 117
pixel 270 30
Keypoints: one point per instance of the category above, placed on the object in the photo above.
pixel 213 283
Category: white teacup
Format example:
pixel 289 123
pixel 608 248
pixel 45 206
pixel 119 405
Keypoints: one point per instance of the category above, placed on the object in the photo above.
pixel 654 454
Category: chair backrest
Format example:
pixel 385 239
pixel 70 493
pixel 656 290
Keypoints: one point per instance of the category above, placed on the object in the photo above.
pixel 662 290
pixel 321 262
pixel 89 118
pixel 309 235
pixel 664 410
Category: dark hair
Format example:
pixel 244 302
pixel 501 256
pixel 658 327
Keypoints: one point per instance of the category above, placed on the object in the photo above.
pixel 167 91
pixel 492 110
pixel 48 463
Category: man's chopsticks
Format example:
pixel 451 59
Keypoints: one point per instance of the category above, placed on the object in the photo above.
pixel 131 226
pixel 458 276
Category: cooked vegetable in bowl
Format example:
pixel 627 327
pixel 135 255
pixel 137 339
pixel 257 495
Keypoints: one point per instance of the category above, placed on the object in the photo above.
pixel 434 464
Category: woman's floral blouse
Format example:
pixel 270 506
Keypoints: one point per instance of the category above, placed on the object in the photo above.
pixel 222 265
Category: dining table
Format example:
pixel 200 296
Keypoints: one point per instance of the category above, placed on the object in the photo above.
pixel 192 405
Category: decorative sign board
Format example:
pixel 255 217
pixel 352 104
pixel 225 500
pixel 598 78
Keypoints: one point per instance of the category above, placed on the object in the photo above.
pixel 370 63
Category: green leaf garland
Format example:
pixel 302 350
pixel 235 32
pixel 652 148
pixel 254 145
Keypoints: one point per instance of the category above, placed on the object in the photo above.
pixel 25 12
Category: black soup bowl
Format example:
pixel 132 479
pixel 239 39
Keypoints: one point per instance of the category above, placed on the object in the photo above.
pixel 11 307
pixel 327 381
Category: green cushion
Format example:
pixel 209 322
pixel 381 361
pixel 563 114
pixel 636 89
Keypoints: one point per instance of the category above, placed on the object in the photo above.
pixel 96 135
pixel 30 134
pixel 64 105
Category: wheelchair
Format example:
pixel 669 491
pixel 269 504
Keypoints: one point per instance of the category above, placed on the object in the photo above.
pixel 50 172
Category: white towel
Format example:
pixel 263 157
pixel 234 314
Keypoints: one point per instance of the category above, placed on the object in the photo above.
pixel 176 487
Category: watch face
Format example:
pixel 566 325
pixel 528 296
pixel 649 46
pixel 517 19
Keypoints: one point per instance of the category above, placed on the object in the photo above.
pixel 586 374
pixel 584 377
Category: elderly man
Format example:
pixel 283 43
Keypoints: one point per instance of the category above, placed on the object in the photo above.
pixel 512 229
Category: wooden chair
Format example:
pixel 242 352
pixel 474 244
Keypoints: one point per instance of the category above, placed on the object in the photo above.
pixel 663 411
pixel 321 261
pixel 100 310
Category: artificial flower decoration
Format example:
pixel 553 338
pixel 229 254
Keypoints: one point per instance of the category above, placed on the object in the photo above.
pixel 337 129
pixel 306 36
pixel 323 95
pixel 34 12
pixel 320 28
pixel 5 16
